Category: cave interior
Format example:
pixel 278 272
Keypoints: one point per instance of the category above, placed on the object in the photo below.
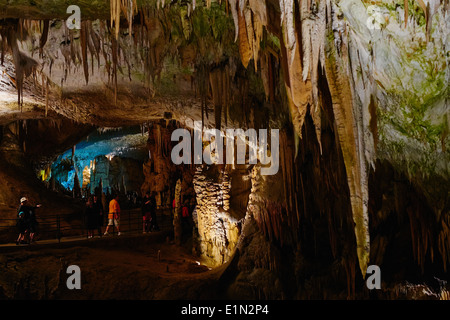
pixel 355 93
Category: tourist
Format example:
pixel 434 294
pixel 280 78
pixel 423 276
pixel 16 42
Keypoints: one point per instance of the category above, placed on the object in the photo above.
pixel 26 220
pixel 114 214
pixel 33 223
pixel 98 210
pixel 91 219
pixel 185 216
pixel 153 222
pixel 146 213
pixel 174 207
pixel 22 222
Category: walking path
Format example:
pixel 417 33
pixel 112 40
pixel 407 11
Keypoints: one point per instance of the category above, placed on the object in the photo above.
pixel 67 241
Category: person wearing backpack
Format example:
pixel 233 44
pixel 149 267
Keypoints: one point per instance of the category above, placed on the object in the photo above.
pixel 26 221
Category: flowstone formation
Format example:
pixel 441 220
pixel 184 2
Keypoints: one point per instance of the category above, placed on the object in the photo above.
pixel 358 90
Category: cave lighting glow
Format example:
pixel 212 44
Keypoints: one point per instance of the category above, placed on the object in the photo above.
pixel 128 142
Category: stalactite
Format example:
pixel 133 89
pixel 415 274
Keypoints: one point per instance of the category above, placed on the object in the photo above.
pixel 264 62
pixel 219 80
pixel 24 66
pixel 244 44
pixel 348 135
pixel 227 92
pixel 73 54
pixel 287 161
pixel 90 44
pixel 234 13
pixel 317 31
pixel 248 19
pixel 131 11
pixel 96 43
pixel 3 47
pixel 105 30
pixel 216 89
pixel 373 121
pixel 298 90
pixel 46 95
pixel 115 50
pixel 129 8
pixel 84 39
pixel 304 36
pixel 44 36
pixel 115 16
pixel 406 9
pixel 202 84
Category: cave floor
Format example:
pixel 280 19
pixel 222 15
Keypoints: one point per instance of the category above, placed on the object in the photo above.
pixel 138 267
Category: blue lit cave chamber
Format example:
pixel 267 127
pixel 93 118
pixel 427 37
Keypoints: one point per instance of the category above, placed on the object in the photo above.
pixel 108 160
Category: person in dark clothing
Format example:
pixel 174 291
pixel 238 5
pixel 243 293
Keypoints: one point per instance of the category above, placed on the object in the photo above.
pixel 98 210
pixel 153 223
pixel 146 213
pixel 186 217
pixel 32 225
pixel 91 218
pixel 26 221
pixel 22 224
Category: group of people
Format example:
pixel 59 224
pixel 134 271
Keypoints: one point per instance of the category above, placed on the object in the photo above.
pixel 26 222
pixel 94 216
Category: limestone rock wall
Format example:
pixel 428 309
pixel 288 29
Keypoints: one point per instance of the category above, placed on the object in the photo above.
pixel 121 174
pixel 219 225
pixel 160 173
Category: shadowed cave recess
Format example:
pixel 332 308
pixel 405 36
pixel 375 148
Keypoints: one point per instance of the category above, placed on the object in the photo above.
pixel 357 89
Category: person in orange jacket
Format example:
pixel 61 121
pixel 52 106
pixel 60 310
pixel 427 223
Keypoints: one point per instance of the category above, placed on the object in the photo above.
pixel 114 214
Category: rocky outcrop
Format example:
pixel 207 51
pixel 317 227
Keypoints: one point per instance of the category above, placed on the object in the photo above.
pixel 218 225
pixel 121 174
